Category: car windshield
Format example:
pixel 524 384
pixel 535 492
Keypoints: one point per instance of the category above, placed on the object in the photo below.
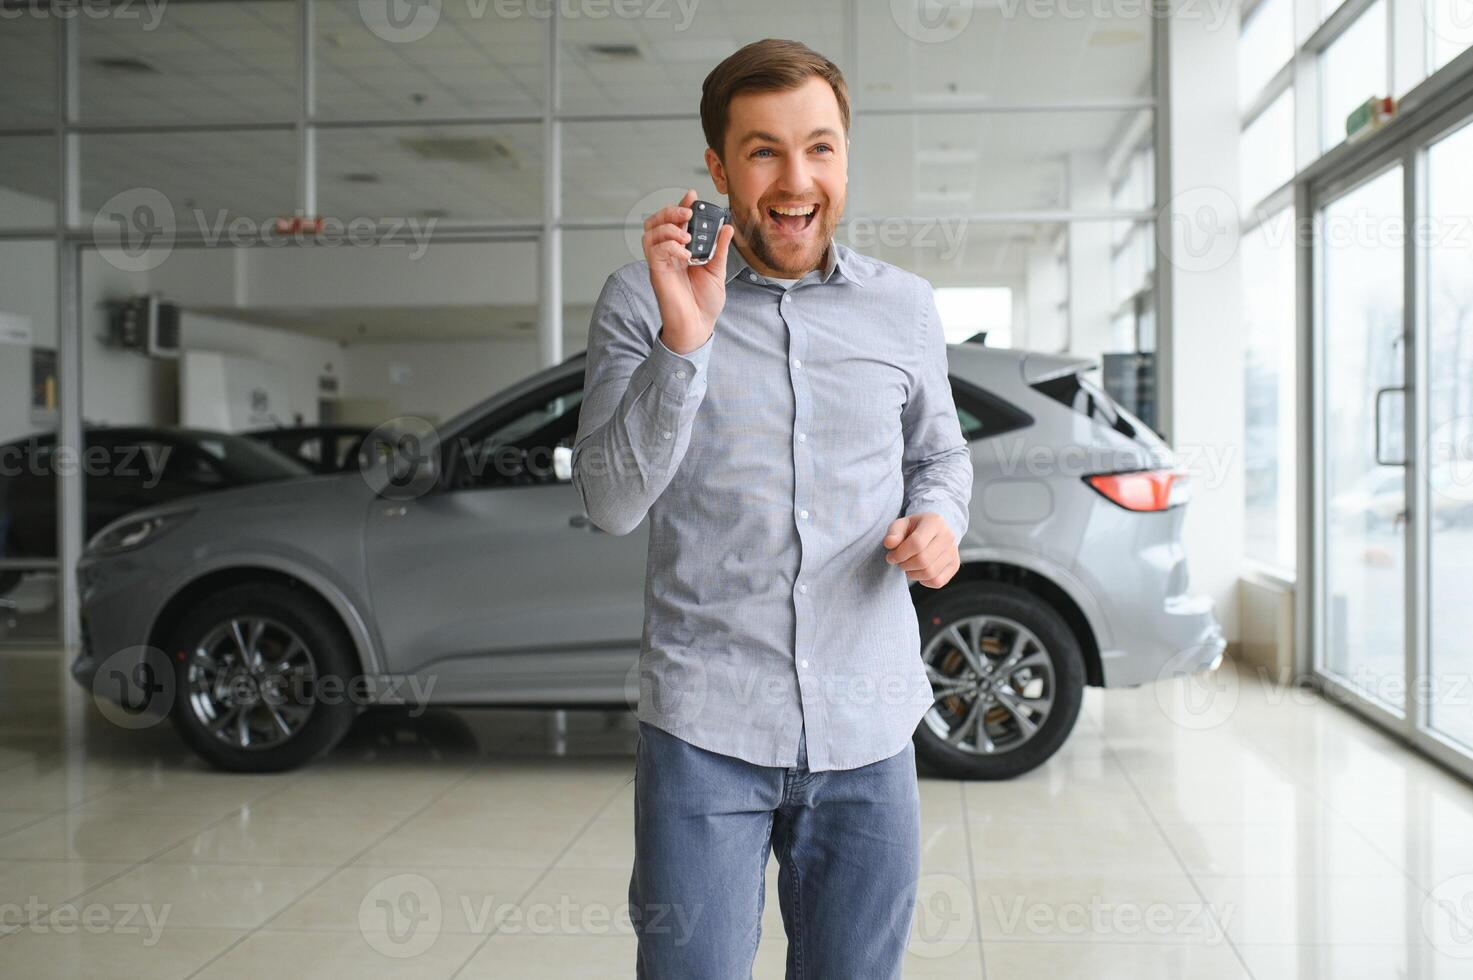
pixel 246 460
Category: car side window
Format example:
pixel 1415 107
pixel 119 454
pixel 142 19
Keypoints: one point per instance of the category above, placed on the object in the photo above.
pixel 519 447
pixel 984 415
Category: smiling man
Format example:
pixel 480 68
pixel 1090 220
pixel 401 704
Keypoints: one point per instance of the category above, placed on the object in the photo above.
pixel 783 417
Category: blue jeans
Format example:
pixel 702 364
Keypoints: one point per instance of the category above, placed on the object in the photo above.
pixel 848 846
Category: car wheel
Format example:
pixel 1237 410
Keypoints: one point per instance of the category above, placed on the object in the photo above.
pixel 262 679
pixel 1008 677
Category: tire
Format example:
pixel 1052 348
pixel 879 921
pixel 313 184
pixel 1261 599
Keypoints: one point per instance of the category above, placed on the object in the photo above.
pixel 1047 661
pixel 316 719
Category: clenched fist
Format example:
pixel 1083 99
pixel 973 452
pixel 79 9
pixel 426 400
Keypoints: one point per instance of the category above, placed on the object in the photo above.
pixel 924 546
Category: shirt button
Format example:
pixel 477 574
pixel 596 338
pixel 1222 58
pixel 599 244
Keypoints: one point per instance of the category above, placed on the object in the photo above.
pixel 753 277
pixel 680 375
pixel 803 663
pixel 803 588
pixel 667 434
pixel 797 363
pixel 802 437
pixel 786 297
pixel 803 514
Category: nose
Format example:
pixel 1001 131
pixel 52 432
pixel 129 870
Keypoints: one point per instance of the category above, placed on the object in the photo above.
pixel 794 178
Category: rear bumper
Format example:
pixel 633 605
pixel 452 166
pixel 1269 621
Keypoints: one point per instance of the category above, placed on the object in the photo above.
pixel 1186 639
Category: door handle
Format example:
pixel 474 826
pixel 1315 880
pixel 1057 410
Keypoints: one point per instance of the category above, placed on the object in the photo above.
pixel 1381 394
pixel 583 522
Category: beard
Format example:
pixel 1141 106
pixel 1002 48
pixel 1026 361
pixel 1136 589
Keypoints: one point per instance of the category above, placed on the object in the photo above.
pixel 788 258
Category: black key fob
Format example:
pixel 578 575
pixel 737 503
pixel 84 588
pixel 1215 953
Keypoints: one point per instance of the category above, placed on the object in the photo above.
pixel 706 220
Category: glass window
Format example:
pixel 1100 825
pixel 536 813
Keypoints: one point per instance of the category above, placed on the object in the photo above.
pixel 1352 70
pixel 190 62
pixel 1268 386
pixel 28 52
pixel 449 173
pixel 1267 156
pixel 518 450
pixel 198 182
pixel 28 182
pixel 1450 424
pixel 384 59
pixel 1451 25
pixel 969 310
pixel 1266 45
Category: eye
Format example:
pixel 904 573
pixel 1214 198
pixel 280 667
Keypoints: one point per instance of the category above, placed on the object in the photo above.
pixel 824 146
pixel 761 150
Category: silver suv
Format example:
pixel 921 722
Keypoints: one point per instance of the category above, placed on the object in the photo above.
pixel 457 567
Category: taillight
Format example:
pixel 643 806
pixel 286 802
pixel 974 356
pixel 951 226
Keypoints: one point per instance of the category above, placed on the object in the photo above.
pixel 1144 490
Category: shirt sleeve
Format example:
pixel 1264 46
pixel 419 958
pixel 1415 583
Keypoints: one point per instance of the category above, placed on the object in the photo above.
pixel 937 462
pixel 639 404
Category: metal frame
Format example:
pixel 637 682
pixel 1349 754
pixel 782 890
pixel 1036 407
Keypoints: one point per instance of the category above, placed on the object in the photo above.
pixel 70 237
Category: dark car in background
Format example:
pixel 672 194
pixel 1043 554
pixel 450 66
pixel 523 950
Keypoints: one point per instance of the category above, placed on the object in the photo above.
pixel 321 448
pixel 125 468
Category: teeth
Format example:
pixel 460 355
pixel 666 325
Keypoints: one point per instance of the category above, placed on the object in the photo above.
pixel 803 211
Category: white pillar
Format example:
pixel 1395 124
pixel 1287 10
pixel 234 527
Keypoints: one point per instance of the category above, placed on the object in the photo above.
pixel 1201 337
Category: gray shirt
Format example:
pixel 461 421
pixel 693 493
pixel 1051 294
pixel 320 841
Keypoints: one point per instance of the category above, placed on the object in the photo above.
pixel 770 462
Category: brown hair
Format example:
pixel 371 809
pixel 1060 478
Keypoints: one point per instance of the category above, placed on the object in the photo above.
pixel 769 65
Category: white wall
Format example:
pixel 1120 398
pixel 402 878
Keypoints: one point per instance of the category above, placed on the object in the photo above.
pixel 302 359
pixel 1203 383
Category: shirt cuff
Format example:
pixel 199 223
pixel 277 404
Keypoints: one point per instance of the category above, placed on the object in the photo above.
pixel 955 518
pixel 678 373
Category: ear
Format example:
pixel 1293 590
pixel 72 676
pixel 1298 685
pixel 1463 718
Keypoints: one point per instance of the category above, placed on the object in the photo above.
pixel 717 170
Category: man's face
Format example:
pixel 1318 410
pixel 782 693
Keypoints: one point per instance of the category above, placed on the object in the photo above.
pixel 784 175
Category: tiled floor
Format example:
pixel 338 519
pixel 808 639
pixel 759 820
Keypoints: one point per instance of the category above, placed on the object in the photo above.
pixel 1269 836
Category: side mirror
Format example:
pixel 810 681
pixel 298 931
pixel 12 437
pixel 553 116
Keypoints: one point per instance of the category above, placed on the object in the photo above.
pixel 562 463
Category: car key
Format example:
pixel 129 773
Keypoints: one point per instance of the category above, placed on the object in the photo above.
pixel 706 220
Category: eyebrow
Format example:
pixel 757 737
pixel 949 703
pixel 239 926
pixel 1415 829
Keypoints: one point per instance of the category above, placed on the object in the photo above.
pixel 766 137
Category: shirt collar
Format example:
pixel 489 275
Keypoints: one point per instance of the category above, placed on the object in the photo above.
pixel 839 258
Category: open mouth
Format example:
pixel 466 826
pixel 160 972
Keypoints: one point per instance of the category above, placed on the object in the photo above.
pixel 792 219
